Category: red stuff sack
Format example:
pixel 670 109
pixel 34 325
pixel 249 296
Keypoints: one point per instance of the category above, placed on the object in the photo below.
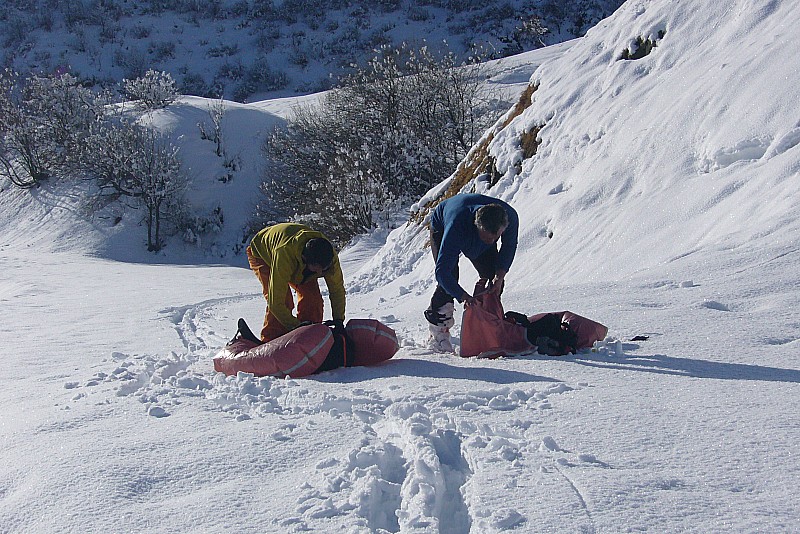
pixel 298 353
pixel 372 342
pixel 487 334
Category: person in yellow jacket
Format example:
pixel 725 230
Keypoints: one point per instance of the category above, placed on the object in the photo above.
pixel 293 256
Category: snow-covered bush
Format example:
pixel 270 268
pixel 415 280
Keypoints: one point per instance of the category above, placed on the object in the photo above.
pixel 260 77
pixel 396 127
pixel 43 123
pixel 154 90
pixel 52 126
pixel 194 84
pixel 133 60
pixel 193 227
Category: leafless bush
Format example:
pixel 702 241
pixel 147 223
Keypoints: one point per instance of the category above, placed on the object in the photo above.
pixel 44 121
pixel 393 129
pixel 132 163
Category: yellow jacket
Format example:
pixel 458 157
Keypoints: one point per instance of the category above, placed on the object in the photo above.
pixel 281 247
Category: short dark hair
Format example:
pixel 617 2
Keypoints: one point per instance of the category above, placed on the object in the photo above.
pixel 491 218
pixel 318 251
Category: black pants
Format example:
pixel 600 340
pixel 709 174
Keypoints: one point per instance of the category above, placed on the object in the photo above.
pixel 485 264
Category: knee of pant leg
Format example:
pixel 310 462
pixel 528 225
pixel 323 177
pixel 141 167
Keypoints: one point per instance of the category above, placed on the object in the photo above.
pixel 272 329
pixel 440 298
pixel 310 306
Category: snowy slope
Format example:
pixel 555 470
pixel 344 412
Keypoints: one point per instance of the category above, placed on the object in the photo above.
pixel 119 233
pixel 240 50
pixel 680 146
pixel 669 184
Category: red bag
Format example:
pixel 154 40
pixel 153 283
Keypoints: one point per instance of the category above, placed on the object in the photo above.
pixel 487 334
pixel 296 354
pixel 373 341
pixel 588 331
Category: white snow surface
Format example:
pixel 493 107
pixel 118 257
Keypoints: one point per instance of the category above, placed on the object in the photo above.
pixel 670 187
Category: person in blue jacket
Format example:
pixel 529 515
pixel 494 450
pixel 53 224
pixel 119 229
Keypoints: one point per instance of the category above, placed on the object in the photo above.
pixel 470 225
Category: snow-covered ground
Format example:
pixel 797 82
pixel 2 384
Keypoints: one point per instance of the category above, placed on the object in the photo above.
pixel 670 187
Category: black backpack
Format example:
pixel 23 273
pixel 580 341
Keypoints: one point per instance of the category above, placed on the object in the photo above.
pixel 550 335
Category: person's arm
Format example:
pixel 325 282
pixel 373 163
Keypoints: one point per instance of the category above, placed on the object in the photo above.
pixel 508 243
pixel 446 263
pixel 497 282
pixel 335 282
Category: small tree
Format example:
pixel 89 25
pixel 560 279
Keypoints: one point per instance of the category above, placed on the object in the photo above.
pixel 216 113
pixel 154 90
pixel 26 153
pixel 43 123
pixel 531 32
pixel 131 162
pixel 161 182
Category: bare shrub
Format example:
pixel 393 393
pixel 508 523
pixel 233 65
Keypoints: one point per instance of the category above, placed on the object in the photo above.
pixel 394 128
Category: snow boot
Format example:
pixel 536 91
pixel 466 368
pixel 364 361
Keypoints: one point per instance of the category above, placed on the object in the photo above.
pixel 439 340
pixel 441 321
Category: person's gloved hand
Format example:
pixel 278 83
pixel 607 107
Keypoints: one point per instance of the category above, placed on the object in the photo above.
pixel 497 283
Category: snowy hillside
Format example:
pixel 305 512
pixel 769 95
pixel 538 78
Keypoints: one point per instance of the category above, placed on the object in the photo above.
pixel 223 177
pixel 661 200
pixel 679 147
pixel 245 50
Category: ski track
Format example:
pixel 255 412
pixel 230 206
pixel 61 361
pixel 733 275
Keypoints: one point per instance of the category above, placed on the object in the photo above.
pixel 412 471
pixel 581 499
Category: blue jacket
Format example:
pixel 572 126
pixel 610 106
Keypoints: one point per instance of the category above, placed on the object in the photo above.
pixel 455 220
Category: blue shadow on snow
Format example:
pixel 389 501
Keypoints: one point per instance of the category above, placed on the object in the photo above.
pixel 691 367
pixel 428 369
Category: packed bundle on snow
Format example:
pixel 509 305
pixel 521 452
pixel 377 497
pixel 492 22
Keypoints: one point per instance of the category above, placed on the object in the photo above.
pixel 308 349
pixel 585 331
pixel 488 332
pixel 298 353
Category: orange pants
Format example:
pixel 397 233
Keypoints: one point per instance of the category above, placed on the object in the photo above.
pixel 309 300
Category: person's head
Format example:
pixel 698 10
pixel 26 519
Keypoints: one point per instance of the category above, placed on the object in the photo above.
pixel 491 221
pixel 318 254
